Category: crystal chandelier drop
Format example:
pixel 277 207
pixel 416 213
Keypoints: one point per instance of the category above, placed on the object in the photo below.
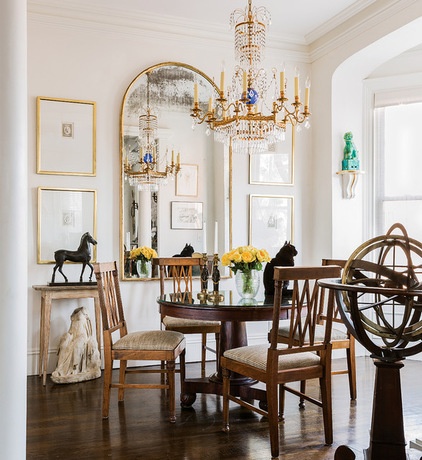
pixel 241 114
pixel 143 170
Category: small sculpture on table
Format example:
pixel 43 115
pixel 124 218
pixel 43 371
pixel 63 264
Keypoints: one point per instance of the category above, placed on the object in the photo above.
pixel 215 296
pixel 82 255
pixel 202 296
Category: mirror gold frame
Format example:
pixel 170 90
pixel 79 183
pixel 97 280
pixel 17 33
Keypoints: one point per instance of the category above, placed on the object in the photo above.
pixel 170 97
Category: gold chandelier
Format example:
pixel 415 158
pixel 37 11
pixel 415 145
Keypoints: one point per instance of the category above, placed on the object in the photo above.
pixel 237 115
pixel 143 170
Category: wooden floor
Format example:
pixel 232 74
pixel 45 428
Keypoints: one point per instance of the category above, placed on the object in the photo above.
pixel 64 422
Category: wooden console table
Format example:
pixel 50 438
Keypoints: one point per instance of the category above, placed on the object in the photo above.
pixel 48 293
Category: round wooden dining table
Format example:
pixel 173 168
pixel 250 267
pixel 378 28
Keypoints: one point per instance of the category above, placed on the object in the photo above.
pixel 233 313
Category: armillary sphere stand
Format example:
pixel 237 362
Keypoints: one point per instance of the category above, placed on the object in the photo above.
pixel 380 300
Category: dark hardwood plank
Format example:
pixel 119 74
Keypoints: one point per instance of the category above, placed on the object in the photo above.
pixel 64 422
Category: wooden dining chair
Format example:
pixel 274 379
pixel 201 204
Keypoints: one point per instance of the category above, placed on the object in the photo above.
pixel 179 270
pixel 340 337
pixel 163 346
pixel 301 358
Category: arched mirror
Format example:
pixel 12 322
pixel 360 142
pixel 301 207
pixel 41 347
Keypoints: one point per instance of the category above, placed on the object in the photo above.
pixel 164 210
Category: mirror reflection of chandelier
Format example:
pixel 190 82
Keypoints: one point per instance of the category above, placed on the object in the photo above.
pixel 143 170
pixel 238 113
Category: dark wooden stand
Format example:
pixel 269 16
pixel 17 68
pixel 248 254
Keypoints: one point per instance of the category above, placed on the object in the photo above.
pixel 387 429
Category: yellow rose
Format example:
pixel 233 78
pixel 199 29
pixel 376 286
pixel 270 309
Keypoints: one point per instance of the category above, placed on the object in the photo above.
pixel 247 257
pixel 237 257
pixel 225 259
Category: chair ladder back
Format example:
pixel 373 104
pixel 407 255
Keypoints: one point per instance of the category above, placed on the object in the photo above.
pixel 109 295
pixel 323 305
pixel 306 300
pixel 179 270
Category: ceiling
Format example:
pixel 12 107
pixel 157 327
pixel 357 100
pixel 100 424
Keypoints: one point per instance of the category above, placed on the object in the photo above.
pixel 299 21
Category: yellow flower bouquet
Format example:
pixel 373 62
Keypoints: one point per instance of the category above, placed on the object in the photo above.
pixel 245 262
pixel 245 258
pixel 143 256
pixel 143 253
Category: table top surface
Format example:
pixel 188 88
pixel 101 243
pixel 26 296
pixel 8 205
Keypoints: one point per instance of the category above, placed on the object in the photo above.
pixel 65 287
pixel 230 300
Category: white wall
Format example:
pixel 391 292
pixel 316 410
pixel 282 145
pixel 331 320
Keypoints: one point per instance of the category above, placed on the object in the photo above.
pixel 80 60
pixel 77 60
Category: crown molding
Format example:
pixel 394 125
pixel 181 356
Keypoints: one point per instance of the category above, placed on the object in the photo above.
pixel 337 20
pixel 154 27
pixel 365 20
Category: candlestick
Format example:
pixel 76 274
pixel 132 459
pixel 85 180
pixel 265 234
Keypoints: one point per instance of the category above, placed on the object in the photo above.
pixel 204 238
pixel 216 238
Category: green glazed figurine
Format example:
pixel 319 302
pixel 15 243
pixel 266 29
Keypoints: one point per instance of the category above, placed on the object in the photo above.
pixel 350 160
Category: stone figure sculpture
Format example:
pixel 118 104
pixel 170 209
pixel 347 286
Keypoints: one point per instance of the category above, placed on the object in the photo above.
pixel 350 159
pixel 79 358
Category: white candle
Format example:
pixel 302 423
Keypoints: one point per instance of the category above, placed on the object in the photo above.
pixel 195 93
pixel 282 81
pixel 216 238
pixel 127 241
pixel 204 238
pixel 297 86
pixel 222 81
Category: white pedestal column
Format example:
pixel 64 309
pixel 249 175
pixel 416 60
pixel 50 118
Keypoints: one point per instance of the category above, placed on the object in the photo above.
pixel 145 223
pixel 13 224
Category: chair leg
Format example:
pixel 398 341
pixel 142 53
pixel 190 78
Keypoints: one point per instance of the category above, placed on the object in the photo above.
pixel 122 377
pixel 303 391
pixel 281 401
pixel 182 364
pixel 204 353
pixel 351 368
pixel 170 367
pixel 327 410
pixel 226 391
pixel 273 405
pixel 217 351
pixel 108 368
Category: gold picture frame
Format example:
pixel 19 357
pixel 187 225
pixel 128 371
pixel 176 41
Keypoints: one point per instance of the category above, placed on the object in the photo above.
pixel 66 137
pixel 64 215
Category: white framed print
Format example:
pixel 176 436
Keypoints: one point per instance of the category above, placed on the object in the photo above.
pixel 186 215
pixel 66 137
pixel 187 180
pixel 270 221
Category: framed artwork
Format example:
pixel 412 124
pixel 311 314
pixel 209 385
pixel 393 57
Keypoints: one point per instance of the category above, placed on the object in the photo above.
pixel 187 180
pixel 64 215
pixel 186 214
pixel 66 137
pixel 275 167
pixel 270 221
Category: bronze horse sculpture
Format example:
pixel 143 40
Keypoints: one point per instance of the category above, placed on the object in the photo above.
pixel 82 254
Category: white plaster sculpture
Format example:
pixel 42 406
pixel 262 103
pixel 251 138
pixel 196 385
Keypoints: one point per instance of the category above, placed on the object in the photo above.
pixel 79 358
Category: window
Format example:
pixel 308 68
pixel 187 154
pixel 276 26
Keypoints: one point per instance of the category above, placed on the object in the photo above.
pixel 398 168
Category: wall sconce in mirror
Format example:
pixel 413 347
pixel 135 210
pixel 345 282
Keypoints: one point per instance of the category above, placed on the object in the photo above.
pixel 156 126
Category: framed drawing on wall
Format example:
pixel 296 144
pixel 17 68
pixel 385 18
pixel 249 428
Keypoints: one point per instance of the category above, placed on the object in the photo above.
pixel 66 137
pixel 186 214
pixel 270 221
pixel 64 215
pixel 187 180
pixel 276 166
